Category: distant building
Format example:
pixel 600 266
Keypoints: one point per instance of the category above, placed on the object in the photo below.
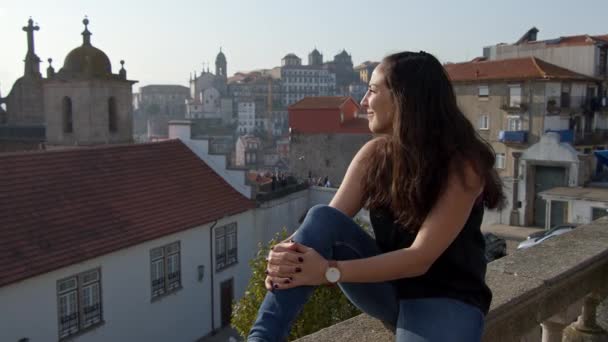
pixel 364 71
pixel 299 81
pixel 163 99
pixel 513 102
pixel 261 88
pixel 209 98
pixel 325 134
pixel 248 151
pixel 155 105
pixel 342 67
pixel 57 110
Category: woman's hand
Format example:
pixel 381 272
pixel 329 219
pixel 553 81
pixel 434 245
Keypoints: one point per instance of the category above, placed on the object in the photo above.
pixel 308 271
pixel 283 262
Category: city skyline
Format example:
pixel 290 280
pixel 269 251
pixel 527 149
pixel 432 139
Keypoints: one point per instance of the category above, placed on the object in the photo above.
pixel 165 43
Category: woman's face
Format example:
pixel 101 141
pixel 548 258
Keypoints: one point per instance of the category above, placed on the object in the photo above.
pixel 379 104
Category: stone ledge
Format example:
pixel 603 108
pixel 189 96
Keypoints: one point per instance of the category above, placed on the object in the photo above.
pixel 562 271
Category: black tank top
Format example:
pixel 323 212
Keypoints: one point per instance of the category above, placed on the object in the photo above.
pixel 459 272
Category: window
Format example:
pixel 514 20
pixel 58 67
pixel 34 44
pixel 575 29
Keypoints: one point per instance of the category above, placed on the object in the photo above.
pixel 484 122
pixel 500 161
pixel 484 92
pixel 514 95
pixel 565 96
pixel 225 246
pixel 67 115
pixel 79 301
pixel 603 61
pixel 514 124
pixel 165 269
pixel 112 124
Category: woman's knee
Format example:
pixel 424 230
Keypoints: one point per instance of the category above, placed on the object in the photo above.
pixel 321 220
pixel 325 212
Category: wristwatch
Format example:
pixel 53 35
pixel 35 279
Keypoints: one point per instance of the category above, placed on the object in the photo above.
pixel 332 273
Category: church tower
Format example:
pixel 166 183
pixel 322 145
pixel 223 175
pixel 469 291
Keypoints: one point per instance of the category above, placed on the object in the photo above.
pixel 221 66
pixel 24 104
pixel 84 102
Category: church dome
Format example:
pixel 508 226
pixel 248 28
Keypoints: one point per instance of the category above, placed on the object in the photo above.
pixel 87 59
pixel 315 52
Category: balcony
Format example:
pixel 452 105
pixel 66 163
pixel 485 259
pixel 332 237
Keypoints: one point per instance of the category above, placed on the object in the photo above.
pixel 514 107
pixel 565 135
pixel 543 287
pixel 513 137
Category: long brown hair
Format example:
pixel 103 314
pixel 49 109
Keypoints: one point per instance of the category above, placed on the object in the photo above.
pixel 409 168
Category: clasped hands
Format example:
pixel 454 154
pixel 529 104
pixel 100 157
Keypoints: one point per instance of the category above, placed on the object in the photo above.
pixel 291 264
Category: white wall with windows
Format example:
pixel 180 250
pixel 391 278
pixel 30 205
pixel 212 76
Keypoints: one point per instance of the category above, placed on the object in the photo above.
pixel 246 118
pixel 149 292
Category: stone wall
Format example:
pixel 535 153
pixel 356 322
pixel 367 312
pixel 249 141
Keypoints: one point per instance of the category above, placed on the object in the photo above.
pixel 324 154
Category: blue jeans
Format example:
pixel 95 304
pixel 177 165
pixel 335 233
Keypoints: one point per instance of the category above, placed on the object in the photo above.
pixel 336 236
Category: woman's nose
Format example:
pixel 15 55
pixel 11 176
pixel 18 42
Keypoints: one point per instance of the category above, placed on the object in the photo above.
pixel 364 103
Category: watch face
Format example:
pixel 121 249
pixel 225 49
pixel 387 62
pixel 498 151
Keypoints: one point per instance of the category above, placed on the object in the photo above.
pixel 332 274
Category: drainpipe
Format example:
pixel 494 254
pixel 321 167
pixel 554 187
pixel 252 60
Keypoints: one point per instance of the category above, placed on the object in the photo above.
pixel 212 281
pixel 514 218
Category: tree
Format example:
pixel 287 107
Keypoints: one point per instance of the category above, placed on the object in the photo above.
pixel 326 307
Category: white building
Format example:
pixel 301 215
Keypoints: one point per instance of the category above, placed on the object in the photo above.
pixel 120 244
pixel 248 148
pixel 299 81
pixel 247 120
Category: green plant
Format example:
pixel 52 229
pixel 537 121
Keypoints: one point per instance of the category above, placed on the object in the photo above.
pixel 327 306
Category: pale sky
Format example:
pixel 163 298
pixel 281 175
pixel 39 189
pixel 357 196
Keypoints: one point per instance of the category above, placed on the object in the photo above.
pixel 163 41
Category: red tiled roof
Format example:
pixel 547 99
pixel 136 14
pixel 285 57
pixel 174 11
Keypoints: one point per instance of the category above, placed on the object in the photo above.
pixel 510 69
pixel 58 208
pixel 576 40
pixel 320 102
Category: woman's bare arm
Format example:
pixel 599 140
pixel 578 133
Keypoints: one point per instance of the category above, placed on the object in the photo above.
pixel 349 197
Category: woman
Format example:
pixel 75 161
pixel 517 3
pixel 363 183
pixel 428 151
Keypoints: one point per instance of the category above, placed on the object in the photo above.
pixel 425 179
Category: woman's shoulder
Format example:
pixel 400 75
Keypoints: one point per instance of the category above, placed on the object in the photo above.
pixel 376 143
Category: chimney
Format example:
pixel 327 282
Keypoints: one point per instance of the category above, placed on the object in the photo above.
pixel 180 129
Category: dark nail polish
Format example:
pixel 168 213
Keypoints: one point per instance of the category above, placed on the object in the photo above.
pixel 276 286
pixel 266 271
pixel 290 278
pixel 300 259
pixel 287 281
pixel 298 270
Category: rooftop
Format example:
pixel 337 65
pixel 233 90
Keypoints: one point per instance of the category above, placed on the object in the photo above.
pixel 511 69
pixel 321 102
pixel 93 201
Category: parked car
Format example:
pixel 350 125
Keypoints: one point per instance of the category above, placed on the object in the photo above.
pixel 554 228
pixel 496 247
pixel 536 238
